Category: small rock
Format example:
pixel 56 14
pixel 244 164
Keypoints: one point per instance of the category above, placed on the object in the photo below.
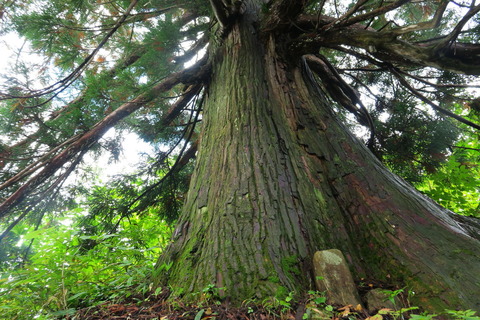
pixel 333 276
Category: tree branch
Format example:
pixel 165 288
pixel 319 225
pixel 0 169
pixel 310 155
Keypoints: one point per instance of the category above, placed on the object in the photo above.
pixel 341 92
pixel 193 50
pixel 362 17
pixel 57 184
pixel 89 138
pixel 352 11
pixel 407 85
pixel 465 148
pixel 181 161
pixel 67 81
pixel 450 39
pixel 436 85
pixel 30 169
pixel 178 106
pixel 431 24
pixel 220 11
pixel 459 58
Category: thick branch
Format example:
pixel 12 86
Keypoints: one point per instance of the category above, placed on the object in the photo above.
pixel 89 138
pixel 129 60
pixel 439 85
pixel 180 104
pixel 459 57
pixel 193 50
pixel 431 24
pixel 37 165
pixel 450 39
pixel 119 66
pixel 352 11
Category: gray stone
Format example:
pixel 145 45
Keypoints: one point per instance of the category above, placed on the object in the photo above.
pixel 377 299
pixel 333 277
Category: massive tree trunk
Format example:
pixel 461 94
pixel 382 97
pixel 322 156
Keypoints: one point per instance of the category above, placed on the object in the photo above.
pixel 278 177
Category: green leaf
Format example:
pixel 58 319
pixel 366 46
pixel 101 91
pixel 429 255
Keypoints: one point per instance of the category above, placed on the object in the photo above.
pixel 320 300
pixel 75 296
pixel 422 317
pixel 199 314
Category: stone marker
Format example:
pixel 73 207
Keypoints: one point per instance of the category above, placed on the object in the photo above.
pixel 333 276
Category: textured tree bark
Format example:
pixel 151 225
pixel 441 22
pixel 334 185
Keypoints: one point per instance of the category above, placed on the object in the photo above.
pixel 278 177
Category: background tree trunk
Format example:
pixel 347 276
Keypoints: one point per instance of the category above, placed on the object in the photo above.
pixel 278 177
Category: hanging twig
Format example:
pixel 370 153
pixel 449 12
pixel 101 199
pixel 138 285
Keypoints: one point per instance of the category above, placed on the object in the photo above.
pixel 407 85
pixel 67 81
pixel 341 91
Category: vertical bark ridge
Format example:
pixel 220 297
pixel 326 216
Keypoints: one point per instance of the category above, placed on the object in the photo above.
pixel 250 239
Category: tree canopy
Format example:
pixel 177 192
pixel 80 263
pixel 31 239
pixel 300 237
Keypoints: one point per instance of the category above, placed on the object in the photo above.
pixel 402 75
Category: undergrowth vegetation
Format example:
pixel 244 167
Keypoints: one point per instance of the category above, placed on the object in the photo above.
pixel 68 270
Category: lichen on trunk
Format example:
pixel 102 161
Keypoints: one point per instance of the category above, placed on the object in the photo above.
pixel 278 177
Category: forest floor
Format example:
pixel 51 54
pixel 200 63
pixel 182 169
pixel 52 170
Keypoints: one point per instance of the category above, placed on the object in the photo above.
pixel 160 307
pixel 159 310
